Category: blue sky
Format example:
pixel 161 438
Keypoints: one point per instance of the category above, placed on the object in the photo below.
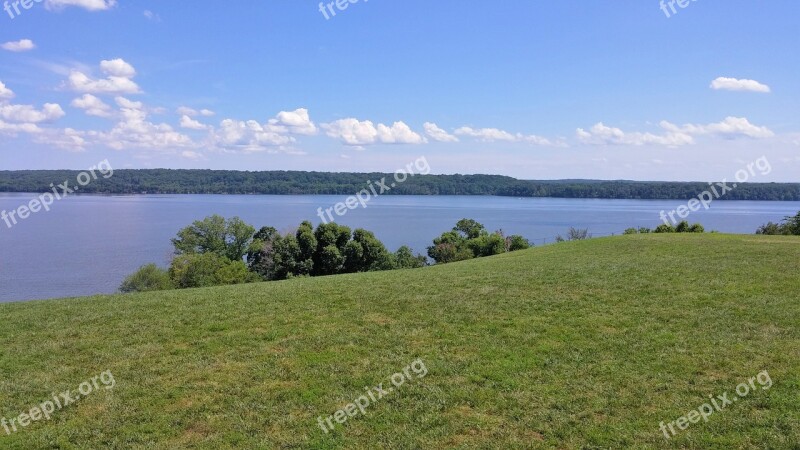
pixel 535 90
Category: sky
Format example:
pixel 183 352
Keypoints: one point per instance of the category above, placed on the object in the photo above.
pixel 632 89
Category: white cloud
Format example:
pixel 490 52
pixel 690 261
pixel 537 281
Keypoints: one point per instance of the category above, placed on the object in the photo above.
pixel 5 93
pixel 90 5
pixel 117 68
pixel 134 131
pixel 14 128
pixel 186 111
pixel 438 134
pixel 23 45
pixel 194 156
pixel 248 135
pixel 29 114
pixel 124 103
pixel 119 80
pixel 294 122
pixel 92 105
pixel 354 132
pixel 733 84
pixel 674 135
pixel 600 134
pixel 150 15
pixel 68 139
pixel 495 135
pixel 730 127
pixel 188 122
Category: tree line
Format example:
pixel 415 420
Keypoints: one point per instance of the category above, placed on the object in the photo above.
pixel 168 181
pixel 217 251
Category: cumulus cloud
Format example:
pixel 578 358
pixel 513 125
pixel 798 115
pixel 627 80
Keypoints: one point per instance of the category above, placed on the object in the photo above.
pixel 294 122
pixel 437 134
pixel 733 84
pixel 68 139
pixel 355 132
pixel 92 106
pixel 89 5
pixel 601 134
pixel 188 122
pixel 674 135
pixel 118 68
pixel 29 114
pixel 730 127
pixel 248 136
pixel 5 93
pixel 23 45
pixel 135 131
pixel 14 128
pixel 118 81
pixel 186 111
pixel 497 135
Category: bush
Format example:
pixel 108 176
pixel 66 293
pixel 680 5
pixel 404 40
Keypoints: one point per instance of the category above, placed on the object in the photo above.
pixel 517 242
pixel 789 226
pixel 208 269
pixel 664 228
pixel 575 234
pixel 148 278
pixel 631 231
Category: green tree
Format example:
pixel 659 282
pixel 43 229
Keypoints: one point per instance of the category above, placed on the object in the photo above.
pixel 405 259
pixel 373 254
pixel 470 229
pixel 230 239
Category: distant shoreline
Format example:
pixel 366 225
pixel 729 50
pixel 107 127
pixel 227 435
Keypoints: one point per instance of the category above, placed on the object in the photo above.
pixel 229 182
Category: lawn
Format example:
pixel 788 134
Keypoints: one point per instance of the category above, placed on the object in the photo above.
pixel 586 344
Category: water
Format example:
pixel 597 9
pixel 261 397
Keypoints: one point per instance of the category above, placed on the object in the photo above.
pixel 87 244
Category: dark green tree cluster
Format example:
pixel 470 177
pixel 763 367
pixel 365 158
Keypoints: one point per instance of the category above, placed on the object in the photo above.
pixel 168 181
pixel 215 251
pixel 469 239
pixel 790 226
pixel 682 227
pixel 331 249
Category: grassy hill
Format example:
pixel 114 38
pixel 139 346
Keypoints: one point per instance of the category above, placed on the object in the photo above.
pixel 578 345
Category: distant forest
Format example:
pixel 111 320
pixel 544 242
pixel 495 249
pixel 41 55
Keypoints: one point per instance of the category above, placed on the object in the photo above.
pixel 166 181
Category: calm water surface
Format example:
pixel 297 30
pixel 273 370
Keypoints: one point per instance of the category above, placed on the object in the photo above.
pixel 87 244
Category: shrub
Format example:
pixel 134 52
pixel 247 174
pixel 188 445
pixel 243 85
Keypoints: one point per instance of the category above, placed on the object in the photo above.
pixel 208 269
pixel 631 231
pixel 516 242
pixel 575 234
pixel 664 228
pixel 148 278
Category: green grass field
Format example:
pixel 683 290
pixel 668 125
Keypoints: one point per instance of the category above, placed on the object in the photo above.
pixel 578 345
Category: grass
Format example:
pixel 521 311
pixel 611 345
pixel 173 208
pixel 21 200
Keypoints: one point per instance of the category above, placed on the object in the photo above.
pixel 577 345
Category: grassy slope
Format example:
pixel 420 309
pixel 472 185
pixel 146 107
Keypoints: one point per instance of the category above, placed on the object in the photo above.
pixel 587 344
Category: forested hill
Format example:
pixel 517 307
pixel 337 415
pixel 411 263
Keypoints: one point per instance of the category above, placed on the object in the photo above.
pixel 165 181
